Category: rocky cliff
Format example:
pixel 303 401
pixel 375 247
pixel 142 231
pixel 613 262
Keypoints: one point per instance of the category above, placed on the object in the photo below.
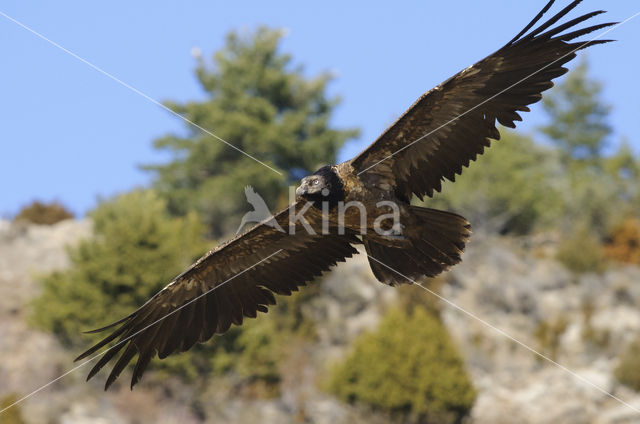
pixel 510 297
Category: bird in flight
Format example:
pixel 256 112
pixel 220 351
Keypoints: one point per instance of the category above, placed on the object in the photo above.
pixel 445 129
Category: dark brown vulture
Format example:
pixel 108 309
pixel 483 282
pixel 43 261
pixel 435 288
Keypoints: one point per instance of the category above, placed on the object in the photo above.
pixel 444 130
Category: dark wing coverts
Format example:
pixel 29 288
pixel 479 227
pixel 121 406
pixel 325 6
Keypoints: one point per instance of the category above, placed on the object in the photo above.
pixel 453 123
pixel 247 270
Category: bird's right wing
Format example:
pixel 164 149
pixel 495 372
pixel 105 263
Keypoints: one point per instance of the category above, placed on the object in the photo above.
pixel 233 281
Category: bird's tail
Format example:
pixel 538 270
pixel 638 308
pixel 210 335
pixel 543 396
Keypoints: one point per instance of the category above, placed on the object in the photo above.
pixel 433 244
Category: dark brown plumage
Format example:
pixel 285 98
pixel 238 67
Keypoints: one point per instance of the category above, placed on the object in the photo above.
pixel 444 130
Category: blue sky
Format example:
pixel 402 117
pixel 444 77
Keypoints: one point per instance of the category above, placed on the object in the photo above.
pixel 69 133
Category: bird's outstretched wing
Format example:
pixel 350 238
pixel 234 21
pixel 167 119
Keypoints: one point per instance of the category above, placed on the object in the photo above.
pixel 451 124
pixel 233 281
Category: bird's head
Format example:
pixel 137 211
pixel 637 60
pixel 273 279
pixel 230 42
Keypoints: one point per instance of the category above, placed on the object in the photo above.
pixel 322 185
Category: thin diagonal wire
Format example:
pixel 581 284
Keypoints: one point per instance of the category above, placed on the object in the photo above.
pixel 420 285
pixel 135 90
pixel 501 92
pixel 510 337
pixel 136 333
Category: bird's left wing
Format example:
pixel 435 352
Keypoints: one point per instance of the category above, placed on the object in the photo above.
pixel 233 281
pixel 451 124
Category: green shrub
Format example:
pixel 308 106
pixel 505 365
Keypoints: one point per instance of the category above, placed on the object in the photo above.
pixel 43 213
pixel 13 414
pixel 136 249
pixel 593 337
pixel 548 334
pixel 409 368
pixel 628 370
pixel 581 252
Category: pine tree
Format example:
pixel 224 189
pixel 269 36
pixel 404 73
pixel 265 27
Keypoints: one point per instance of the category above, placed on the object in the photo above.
pixel 597 190
pixel 261 104
pixel 578 116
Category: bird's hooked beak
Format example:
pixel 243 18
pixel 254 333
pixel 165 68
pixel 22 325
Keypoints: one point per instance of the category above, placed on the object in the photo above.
pixel 302 188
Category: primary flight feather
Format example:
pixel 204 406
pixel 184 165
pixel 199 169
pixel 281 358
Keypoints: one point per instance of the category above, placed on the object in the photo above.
pixel 445 129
